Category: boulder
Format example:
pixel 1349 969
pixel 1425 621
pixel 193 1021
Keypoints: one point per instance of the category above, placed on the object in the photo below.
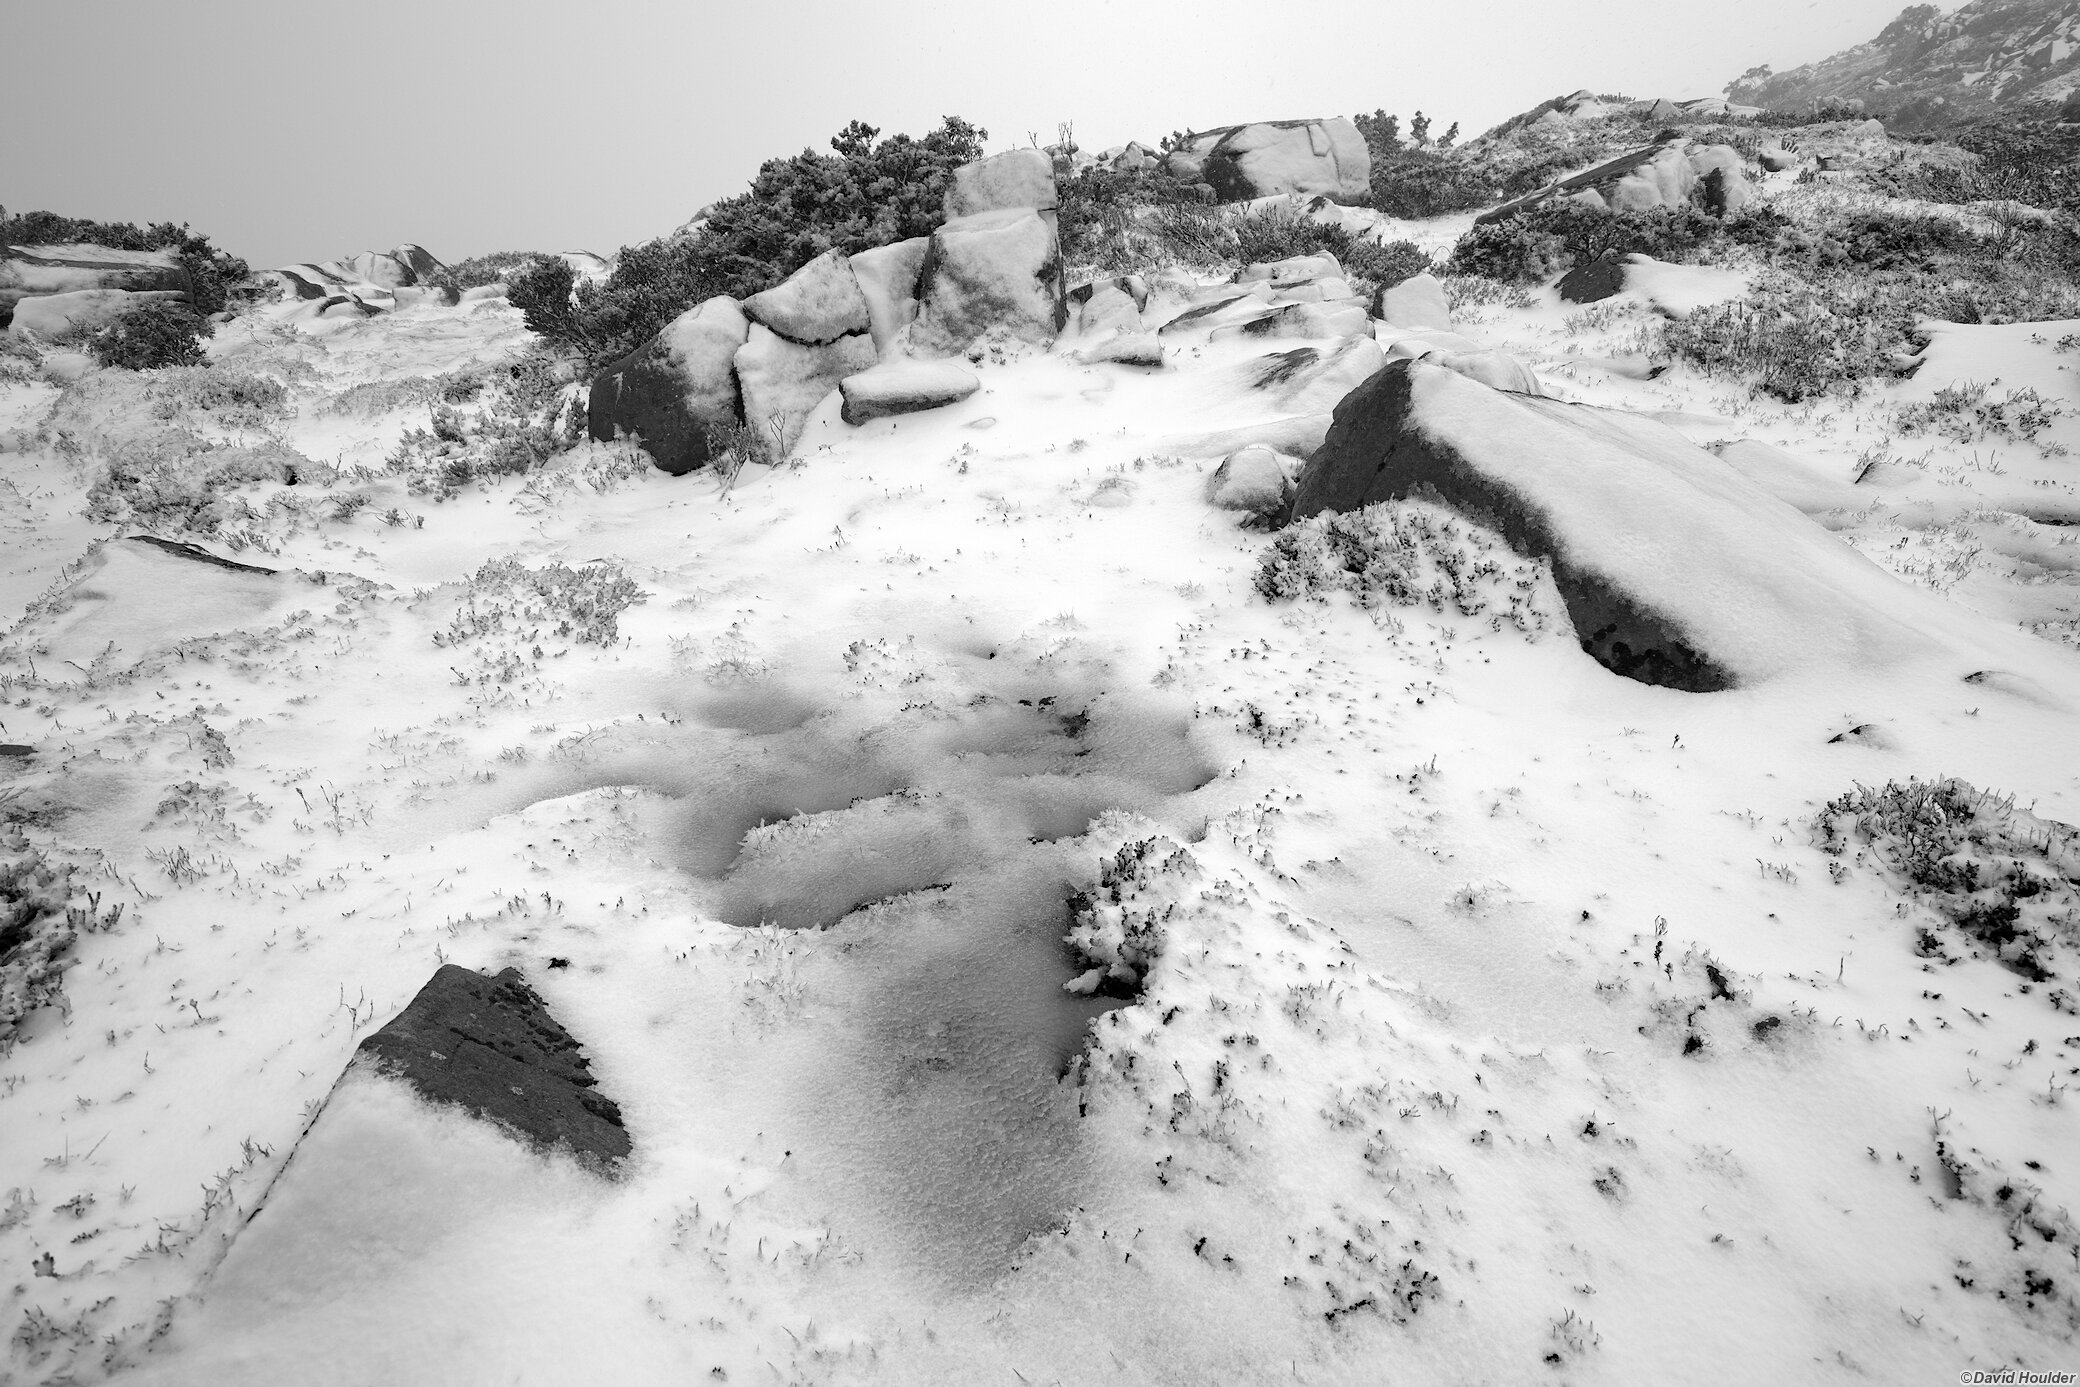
pixel 1497 370
pixel 784 381
pixel 1304 321
pixel 1227 311
pixel 1133 286
pixel 888 278
pixel 1406 343
pixel 1416 302
pixel 1309 157
pixel 1594 280
pixel 1722 178
pixel 1126 349
pixel 1133 157
pixel 1326 290
pixel 1775 159
pixel 670 390
pixel 818 303
pixel 1106 309
pixel 29 271
pixel 1019 178
pixel 994 272
pixel 904 387
pixel 587 266
pixel 1256 479
pixel 1312 379
pixel 489 1045
pixel 1675 569
pixel 81 311
pixel 1297 269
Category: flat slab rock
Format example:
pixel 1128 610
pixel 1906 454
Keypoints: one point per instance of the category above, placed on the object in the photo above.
pixel 489 1044
pixel 904 387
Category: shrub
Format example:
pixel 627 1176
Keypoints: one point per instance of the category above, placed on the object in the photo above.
pixel 1795 339
pixel 581 605
pixel 215 273
pixel 499 267
pixel 1965 413
pixel 173 481
pixel 1418 183
pixel 156 333
pixel 1545 240
pixel 508 421
pixel 234 398
pixel 37 930
pixel 1098 209
pixel 1408 554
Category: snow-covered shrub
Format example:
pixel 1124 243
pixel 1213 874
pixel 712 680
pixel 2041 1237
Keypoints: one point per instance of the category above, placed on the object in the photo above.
pixel 1966 413
pixel 2003 878
pixel 499 267
pixel 232 397
pixel 1795 340
pixel 175 481
pixel 156 333
pixel 1119 929
pixel 1409 554
pixel 505 421
pixel 35 931
pixel 582 605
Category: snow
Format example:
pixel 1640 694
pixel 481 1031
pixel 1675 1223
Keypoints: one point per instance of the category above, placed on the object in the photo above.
pixel 1405 1083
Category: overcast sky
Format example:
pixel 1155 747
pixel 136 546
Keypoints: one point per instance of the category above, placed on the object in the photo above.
pixel 293 131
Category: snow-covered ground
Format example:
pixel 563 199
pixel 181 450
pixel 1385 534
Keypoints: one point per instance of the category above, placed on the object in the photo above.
pixel 1509 1022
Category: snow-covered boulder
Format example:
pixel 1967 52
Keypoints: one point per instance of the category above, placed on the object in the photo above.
pixel 1106 309
pixel 673 387
pixel 28 271
pixel 1675 569
pixel 1255 479
pixel 83 310
pixel 887 277
pixel 1018 178
pixel 904 387
pixel 992 272
pixel 1126 349
pixel 1297 269
pixel 818 303
pixel 1416 302
pixel 1241 162
pixel 1593 281
pixel 1301 321
pixel 784 381
pixel 1311 379
pixel 1496 369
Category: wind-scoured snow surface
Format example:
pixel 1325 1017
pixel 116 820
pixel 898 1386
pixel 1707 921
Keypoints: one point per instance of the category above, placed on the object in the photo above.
pixel 1506 1021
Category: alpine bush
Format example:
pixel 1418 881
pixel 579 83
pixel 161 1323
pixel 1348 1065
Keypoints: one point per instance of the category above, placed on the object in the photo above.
pixel 215 274
pixel 158 332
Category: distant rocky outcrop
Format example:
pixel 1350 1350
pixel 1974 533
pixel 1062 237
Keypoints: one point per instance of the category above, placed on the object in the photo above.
pixel 48 290
pixel 1667 173
pixel 1927 68
pixel 367 282
pixel 1674 568
pixel 490 1046
pixel 1239 162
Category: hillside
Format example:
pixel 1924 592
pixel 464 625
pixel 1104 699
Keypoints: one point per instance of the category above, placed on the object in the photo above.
pixel 1077 783
pixel 1927 68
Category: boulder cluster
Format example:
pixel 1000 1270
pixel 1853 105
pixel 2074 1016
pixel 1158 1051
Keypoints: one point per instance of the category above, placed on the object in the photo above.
pixel 368 283
pixel 883 326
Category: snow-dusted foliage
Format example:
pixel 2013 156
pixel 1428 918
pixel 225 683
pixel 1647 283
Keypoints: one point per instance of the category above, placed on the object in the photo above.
pixel 1409 554
pixel 1119 928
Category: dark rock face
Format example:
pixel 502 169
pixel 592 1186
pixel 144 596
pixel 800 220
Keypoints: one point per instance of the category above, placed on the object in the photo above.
pixel 1595 280
pixel 1381 447
pixel 670 390
pixel 488 1044
pixel 196 554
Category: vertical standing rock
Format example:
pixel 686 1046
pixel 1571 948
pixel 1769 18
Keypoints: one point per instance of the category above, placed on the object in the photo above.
pixel 995 271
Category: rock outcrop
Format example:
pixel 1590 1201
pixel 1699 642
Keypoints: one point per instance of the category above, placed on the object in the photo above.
pixel 34 271
pixel 992 272
pixel 1239 162
pixel 490 1046
pixel 1675 569
pixel 673 388
pixel 1668 173
pixel 888 278
pixel 366 282
pixel 51 316
pixel 1416 302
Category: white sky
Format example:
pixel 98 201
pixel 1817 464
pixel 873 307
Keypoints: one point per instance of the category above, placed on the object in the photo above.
pixel 299 132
